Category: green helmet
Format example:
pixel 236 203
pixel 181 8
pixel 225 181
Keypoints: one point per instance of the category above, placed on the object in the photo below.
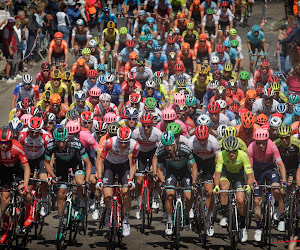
pixel 234 43
pixel 230 131
pixel 293 99
pixel 231 143
pixel 284 130
pixel 60 134
pixel 86 51
pixel 191 101
pixel 113 128
pixel 232 32
pixel 143 39
pixel 123 31
pixel 174 127
pixel 210 11
pixel 167 138
pixel 150 103
pixel 244 75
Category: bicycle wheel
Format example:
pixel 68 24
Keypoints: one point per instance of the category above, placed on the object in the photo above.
pixel 143 210
pixel 65 221
pixel 74 229
pixel 8 225
pixel 202 222
pixel 113 229
pixel 249 209
pixel 102 212
pixel 232 227
pixel 149 215
pixel 269 223
pixel 291 221
pixel 177 226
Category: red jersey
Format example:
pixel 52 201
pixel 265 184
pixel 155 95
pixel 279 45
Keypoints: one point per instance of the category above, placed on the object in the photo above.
pixel 54 47
pixel 260 78
pixel 13 155
pixel 127 90
pixel 202 49
pixel 40 80
pixel 168 68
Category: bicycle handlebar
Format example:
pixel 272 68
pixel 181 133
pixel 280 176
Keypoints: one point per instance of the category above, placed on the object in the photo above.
pixel 233 191
pixel 115 185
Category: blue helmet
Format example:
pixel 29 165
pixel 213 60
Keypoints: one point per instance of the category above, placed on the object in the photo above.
pixel 149 37
pixel 141 13
pixel 226 43
pixel 157 48
pixel 101 67
pixel 101 79
pixel 150 20
pixel 296 110
pixel 255 28
pixel 106 9
pixel 282 108
pixel 131 112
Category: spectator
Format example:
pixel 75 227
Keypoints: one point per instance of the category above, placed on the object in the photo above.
pixel 293 35
pixel 9 46
pixel 293 81
pixel 63 23
pixel 73 11
pixel 17 56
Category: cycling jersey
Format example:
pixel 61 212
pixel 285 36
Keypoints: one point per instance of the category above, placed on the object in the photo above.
pixel 162 6
pixel 128 67
pixel 222 60
pixel 173 78
pixel 245 104
pixel 88 141
pixel 146 144
pixel 102 143
pixel 13 155
pixel 87 85
pixel 116 94
pixel 228 100
pixel 157 64
pixel 110 37
pixel 246 138
pixel 122 40
pixel 249 85
pixel 110 17
pixel 127 90
pixel 169 69
pixel 261 78
pixel 241 163
pixel 78 70
pixel 34 147
pixel 124 55
pixel 132 2
pixel 242 144
pixel 220 68
pixel 181 26
pixel 223 119
pixel 233 55
pixel 87 107
pixel 144 76
pixel 210 23
pixel 187 59
pixel 99 111
pixel 167 49
pixel 62 89
pixel 41 81
pixel 58 49
pixel 224 16
pixel 212 5
pixel 260 108
pixel 237 38
pixel 32 93
pixel 190 38
pixel 92 63
pixel 113 153
pixel 146 29
pixel 196 11
pixel 178 3
pixel 255 40
pixel 162 126
pixel 201 86
pixel 62 112
pixel 202 49
pixel 81 35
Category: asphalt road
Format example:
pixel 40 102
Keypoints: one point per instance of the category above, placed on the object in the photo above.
pixel 154 237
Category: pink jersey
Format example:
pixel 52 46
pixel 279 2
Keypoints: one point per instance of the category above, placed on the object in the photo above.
pixel 146 144
pixel 263 159
pixel 162 127
pixel 88 141
pixel 113 153
pixel 34 148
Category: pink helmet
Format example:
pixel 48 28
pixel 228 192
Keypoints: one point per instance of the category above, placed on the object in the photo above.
pixel 261 135
pixel 73 127
pixel 110 117
pixel 95 91
pixel 179 98
pixel 168 114
pixel 25 119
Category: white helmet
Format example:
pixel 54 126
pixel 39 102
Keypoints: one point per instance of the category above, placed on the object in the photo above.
pixel 96 126
pixel 221 130
pixel 268 92
pixel 150 84
pixel 93 43
pixel 222 103
pixel 27 78
pixel 159 74
pixel 157 118
pixel 80 22
pixel 80 95
pixel 215 59
pixel 275 121
pixel 109 78
pixel 105 97
pixel 203 120
pixel 51 117
pixel 15 124
pixel 213 84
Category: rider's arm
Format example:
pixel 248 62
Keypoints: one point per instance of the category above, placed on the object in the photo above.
pixel 50 51
pixel 194 171
pixel 88 38
pixel 219 166
pixel 26 173
pixel 88 168
pixel 13 101
pixel 73 38
pixel 66 54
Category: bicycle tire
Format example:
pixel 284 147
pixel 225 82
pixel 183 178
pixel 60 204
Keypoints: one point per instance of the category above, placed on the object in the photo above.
pixel 11 230
pixel 143 210
pixel 269 224
pixel 202 223
pixel 74 229
pixel 149 215
pixel 102 212
pixel 64 223
pixel 231 227
pixel 113 229
pixel 291 217
pixel 249 210
pixel 177 226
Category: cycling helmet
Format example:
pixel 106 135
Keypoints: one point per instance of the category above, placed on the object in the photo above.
pixel 80 61
pixel 143 39
pixel 150 20
pixel 213 108
pixel 230 131
pixel 141 13
pixel 60 134
pixel 264 63
pixel 27 79
pixel 111 25
pixel 147 119
pixel 282 108
pixel 168 114
pixel 293 99
pixel 134 98
pixel 179 98
pixel 210 11
pixel 234 107
pixel 191 101
pixel 261 119
pixel 186 46
pixel 202 37
pixel 223 104
pixel 232 32
pixel 251 94
pixel 58 35
pixel 228 66
pixel 92 73
pixel 101 79
pixel 157 49
pixel 157 80
pixel 213 84
pixel 167 138
pixel 174 127
pixel 202 132
pixel 157 118
pixel 133 55
pixel 46 95
pixel 67 76
pixel 284 130
pixel 261 135
pixel 244 75
pixel 150 103
pixel 55 98
pixel 35 124
pixel 32 111
pixel 124 134
pixel 130 44
pixel 171 40
pixel 176 31
pixel 259 89
pixel 112 128
pixel 80 22
pixel 172 55
pixel 139 91
pixel 234 43
pixel 216 75
pixel 190 26
pixel 268 92
pixel 226 43
pixel 275 86
pixel 80 95
pixel 275 121
pixel 231 143
pixel 45 65
pixel 110 117
pixel 255 28
pixel 296 110
pixel 131 112
pixel 220 91
pixel 232 83
pixel 95 91
pixel 87 116
pixel 25 119
pixel 109 78
pixel 221 130
pixel 99 126
pixel 159 74
pixel 224 4
pixel 150 37
pixel 248 119
pixel 150 84
pixel 92 44
pixel 242 111
pixel 273 79
pixel 72 113
pixel 86 51
pixel 73 127
pixel 123 31
pixel 101 67
pixel 220 48
pixel 215 59
pixel 203 120
pixel 123 112
pixel 106 9
pixel 104 97
pixel 15 124
pixel 181 82
pixel 141 62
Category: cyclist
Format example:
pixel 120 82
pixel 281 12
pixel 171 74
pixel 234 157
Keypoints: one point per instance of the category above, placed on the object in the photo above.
pixel 193 111
pixel 202 49
pixel 90 60
pixel 106 17
pixel 232 54
pixel 266 161
pixel 274 122
pixel 228 74
pixel 140 22
pixel 151 107
pixel 130 10
pixel 162 9
pixel 15 125
pixel 91 82
pixel 169 66
pixel 58 51
pixel 149 28
pixel 180 22
pixel 157 59
pixel 266 105
pixel 80 104
pixel 115 159
pixel 56 107
pixel 43 77
pixel 50 123
pixel 177 159
pixel 231 164
pixel 104 104
pixel 239 51
pixel 57 86
pixel 94 95
pixel 121 39
pixel 234 36
pixel 278 95
pixel 123 57
pixel 244 83
pixel 170 46
pixel 217 118
pixel 187 56
pixel 130 85
pixel 109 38
pixel 201 80
pixel 231 131
pixel 97 51
pixel 214 65
pixel 142 72
pixel 190 35
pixel 263 73
pixel 233 87
pixel 256 40
pixel 224 15
pixel 209 4
pixel 144 48
pixel 196 13
pixel 150 91
pixel 45 102
pixel 210 26
pixel 250 98
pixel 133 57
pixel 79 72
pixel 220 52
pixel 80 37
pixel 221 95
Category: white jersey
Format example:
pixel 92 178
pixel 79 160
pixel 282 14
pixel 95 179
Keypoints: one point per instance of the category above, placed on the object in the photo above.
pixel 224 16
pixel 188 78
pixel 250 85
pixel 260 108
pixel 210 23
pixel 147 144
pixel 207 151
pixel 222 120
pixel 113 153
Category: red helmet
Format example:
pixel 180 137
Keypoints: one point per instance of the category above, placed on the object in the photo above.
pixel 87 116
pixel 242 111
pixel 213 108
pixel 266 126
pixel 131 76
pixel 5 134
pixel 42 115
pixel 234 107
pixel 124 134
pixel 220 48
pixel 248 119
pixel 259 89
pixel 278 115
pixel 58 35
pixel 179 67
pixel 130 44
pixel 147 119
pixel 26 103
pixel 202 132
pixel 273 79
pixel 134 98
pixel 224 4
pixel 171 40
pixel 264 63
pixel 123 112
pixel 35 124
pixel 46 65
pixel 73 127
pixel 92 73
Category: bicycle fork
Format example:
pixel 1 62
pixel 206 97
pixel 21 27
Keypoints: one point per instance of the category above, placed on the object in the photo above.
pixel 145 185
pixel 179 203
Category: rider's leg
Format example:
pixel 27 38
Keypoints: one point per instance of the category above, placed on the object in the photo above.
pixel 224 185
pixel 76 47
pixel 240 199
pixel 169 204
pixel 61 196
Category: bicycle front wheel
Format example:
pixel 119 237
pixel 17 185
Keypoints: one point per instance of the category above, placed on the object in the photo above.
pixel 177 226
pixel 143 210
pixel 232 227
pixel 8 225
pixel 202 222
pixel 292 219
pixel 63 226
pixel 113 229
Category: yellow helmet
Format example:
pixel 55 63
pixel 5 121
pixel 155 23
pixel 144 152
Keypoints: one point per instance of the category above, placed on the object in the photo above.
pixel 284 130
pixel 67 75
pixel 275 86
pixel 203 70
pixel 46 95
pixel 228 66
pixel 111 25
pixel 230 131
pixel 56 74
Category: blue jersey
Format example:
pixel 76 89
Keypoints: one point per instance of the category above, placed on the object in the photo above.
pixel 289 119
pixel 233 54
pixel 146 29
pixel 116 94
pixel 167 49
pixel 111 17
pixel 87 85
pixel 124 55
pixel 255 40
pixel 158 96
pixel 157 63
pixel 220 68
pixel 132 2
pixel 162 6
pixel 213 5
pixel 154 43
pixel 208 95
pixel 224 59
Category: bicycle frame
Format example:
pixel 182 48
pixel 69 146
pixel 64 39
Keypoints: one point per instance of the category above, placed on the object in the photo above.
pixel 117 199
pixel 146 184
pixel 178 203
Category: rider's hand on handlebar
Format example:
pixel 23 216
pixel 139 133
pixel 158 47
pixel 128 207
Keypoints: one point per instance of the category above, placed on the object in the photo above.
pixel 195 186
pixel 247 188
pixel 284 183
pixel 216 189
pixel 254 183
pixel 99 184
pixel 155 177
pixel 24 190
pixel 131 184
pixel 250 53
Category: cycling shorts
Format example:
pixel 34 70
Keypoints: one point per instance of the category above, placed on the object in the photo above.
pixel 143 159
pixel 207 167
pixel 183 175
pixel 163 13
pixel 223 25
pixel 111 170
pixel 236 181
pixel 201 56
pixel 57 57
pixel 38 165
pixel 80 42
pixel 62 168
pixel 6 174
pixel 258 46
pixel 210 30
pixel 80 78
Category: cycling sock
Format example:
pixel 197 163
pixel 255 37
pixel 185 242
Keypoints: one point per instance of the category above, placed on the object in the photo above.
pixel 242 221
pixel 139 200
pixel 224 210
pixel 155 194
pixel 126 216
pixel 258 224
pixel 208 217
pixel 281 218
pixel 169 218
pixel 92 196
